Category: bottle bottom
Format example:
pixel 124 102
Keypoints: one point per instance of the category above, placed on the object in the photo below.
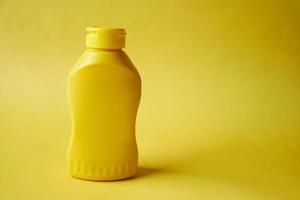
pixel 102 178
pixel 96 173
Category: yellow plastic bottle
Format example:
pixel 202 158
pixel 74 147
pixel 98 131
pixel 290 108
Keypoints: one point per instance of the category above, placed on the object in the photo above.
pixel 104 90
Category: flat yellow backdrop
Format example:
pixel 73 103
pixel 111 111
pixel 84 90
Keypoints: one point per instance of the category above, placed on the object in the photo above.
pixel 220 110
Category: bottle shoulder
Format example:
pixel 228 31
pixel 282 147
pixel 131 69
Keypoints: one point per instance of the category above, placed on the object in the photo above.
pixel 104 59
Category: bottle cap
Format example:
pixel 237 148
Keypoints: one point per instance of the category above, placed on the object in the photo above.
pixel 105 38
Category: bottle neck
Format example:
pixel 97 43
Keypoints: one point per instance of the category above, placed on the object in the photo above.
pixel 104 49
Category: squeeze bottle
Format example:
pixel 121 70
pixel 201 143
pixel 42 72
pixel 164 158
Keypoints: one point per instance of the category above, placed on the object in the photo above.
pixel 104 90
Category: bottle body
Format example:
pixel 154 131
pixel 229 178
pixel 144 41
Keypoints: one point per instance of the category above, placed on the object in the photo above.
pixel 104 90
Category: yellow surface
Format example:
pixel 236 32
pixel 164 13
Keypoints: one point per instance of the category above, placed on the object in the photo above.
pixel 220 107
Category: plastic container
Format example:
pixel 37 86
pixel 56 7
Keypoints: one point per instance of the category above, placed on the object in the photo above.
pixel 104 90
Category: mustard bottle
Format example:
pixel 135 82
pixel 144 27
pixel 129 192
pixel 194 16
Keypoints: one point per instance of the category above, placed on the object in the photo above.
pixel 104 90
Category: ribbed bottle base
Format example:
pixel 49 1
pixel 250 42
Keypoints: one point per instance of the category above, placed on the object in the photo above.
pixel 101 173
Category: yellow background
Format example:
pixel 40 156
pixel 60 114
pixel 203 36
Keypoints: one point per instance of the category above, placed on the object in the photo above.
pixel 219 117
